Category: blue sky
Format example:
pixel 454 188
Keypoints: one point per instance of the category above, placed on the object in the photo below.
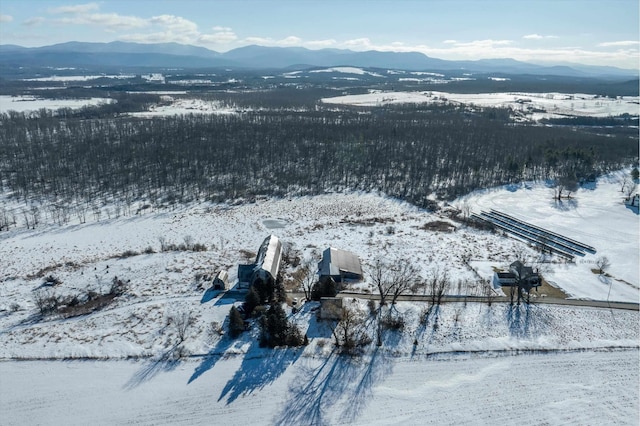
pixel 598 32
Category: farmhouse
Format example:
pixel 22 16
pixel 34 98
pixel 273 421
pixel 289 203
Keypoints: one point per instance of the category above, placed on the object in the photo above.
pixel 518 275
pixel 339 265
pixel 266 266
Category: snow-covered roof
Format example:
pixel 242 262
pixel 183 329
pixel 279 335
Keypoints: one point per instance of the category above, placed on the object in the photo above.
pixel 269 255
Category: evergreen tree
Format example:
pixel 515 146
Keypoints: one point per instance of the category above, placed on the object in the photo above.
pixel 236 323
pixel 277 325
pixel 251 300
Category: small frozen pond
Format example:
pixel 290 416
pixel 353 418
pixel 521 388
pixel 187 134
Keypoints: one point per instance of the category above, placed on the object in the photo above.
pixel 275 223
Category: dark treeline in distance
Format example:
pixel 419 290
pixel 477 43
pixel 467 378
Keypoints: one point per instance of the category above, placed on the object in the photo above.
pixel 406 151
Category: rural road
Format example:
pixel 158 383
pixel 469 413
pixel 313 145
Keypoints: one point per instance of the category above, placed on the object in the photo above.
pixel 453 299
pixel 539 300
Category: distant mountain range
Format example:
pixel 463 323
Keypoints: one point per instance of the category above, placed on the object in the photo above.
pixel 173 55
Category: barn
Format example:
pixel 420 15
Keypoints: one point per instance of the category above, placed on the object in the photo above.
pixel 266 266
pixel 339 265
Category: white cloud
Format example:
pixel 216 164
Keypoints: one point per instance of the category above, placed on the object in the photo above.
pixel 158 37
pixel 219 29
pixel 111 21
pixel 358 43
pixel 538 37
pixel 77 9
pixel 483 44
pixel 321 44
pixel 290 41
pixel 6 18
pixel 32 22
pixel 82 14
pixel 620 43
pixel 220 37
pixel 175 23
pixel 450 41
pixel 264 41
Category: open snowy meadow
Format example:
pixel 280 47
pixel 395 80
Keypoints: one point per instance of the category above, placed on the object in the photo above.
pixel 127 363
pixel 534 105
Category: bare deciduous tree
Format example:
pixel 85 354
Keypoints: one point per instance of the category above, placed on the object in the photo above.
pixel 438 284
pixel 630 189
pixel 188 242
pixel 306 278
pixel 465 208
pixel 488 292
pixel 180 321
pixel 348 332
pixel 603 264
pixel 393 279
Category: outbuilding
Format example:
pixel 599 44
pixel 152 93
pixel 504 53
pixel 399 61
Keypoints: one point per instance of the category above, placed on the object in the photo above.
pixel 339 265
pixel 221 281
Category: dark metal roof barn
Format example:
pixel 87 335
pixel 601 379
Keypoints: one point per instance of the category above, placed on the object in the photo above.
pixel 340 264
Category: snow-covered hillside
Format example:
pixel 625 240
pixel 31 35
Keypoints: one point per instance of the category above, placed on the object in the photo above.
pixel 424 374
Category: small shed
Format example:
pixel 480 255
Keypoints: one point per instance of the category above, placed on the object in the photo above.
pixel 221 281
pixel 339 265
pixel 633 201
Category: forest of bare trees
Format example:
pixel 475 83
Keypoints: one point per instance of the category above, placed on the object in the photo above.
pixel 407 151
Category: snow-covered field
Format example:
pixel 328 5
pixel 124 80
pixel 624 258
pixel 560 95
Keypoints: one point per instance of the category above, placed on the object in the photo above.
pixel 183 107
pixel 594 388
pixel 68 78
pixel 464 370
pixel 32 103
pixel 347 70
pixel 535 105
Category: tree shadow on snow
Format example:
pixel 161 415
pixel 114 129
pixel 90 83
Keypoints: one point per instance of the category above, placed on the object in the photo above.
pixel 257 372
pixel 565 204
pixel 210 359
pixel 375 370
pixel 167 362
pixel 429 322
pixel 526 321
pixel 316 392
pixel 209 295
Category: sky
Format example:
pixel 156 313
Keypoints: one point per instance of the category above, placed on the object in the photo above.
pixel 595 32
